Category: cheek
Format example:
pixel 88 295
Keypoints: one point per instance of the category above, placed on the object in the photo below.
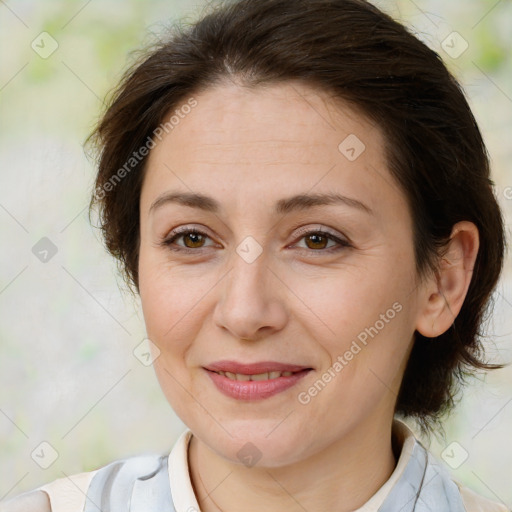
pixel 167 296
pixel 367 328
pixel 363 377
pixel 342 306
pixel 164 312
pixel 175 303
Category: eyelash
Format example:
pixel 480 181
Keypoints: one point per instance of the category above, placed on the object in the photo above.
pixel 168 242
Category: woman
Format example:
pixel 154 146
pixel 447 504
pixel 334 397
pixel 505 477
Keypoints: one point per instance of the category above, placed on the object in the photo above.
pixel 300 195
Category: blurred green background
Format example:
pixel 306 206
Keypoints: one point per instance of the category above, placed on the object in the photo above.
pixel 67 332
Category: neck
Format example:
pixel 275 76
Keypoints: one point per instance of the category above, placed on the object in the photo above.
pixel 340 478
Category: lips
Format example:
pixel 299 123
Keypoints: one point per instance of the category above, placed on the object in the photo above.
pixel 254 368
pixel 254 381
pixel 257 389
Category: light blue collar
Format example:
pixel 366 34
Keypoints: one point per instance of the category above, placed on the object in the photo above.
pixel 424 486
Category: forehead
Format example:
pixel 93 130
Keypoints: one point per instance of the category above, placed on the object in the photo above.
pixel 269 142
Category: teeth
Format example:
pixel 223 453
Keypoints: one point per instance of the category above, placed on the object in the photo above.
pixel 259 376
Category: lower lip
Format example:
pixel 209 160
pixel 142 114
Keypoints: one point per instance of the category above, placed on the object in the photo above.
pixel 254 389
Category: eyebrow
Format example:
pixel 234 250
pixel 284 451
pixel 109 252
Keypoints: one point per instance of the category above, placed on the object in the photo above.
pixel 297 202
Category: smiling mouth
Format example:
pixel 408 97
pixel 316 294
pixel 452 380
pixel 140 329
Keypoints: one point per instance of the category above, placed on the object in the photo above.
pixel 255 386
pixel 258 376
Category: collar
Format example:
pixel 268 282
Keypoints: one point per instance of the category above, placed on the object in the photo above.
pixel 185 500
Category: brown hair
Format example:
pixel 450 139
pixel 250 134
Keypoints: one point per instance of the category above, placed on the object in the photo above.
pixel 351 49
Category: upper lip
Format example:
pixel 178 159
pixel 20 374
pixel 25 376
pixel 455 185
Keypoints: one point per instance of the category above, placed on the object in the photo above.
pixel 254 368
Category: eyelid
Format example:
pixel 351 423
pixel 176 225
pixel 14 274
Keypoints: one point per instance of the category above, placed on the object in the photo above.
pixel 319 227
pixel 169 239
pixel 341 241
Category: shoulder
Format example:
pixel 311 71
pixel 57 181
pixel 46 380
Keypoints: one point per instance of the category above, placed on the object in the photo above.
pixel 473 502
pixel 63 494
pixel 32 501
pixel 67 494
pixel 132 476
pixel 437 482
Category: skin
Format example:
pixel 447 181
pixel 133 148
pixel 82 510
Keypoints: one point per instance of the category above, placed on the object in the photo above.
pixel 297 302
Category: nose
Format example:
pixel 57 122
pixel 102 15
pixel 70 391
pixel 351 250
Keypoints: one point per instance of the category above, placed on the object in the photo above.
pixel 251 301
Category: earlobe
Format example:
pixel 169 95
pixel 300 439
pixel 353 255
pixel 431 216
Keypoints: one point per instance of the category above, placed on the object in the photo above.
pixel 446 290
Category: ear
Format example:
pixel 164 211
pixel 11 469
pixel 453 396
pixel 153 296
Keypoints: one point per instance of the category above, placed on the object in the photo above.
pixel 445 292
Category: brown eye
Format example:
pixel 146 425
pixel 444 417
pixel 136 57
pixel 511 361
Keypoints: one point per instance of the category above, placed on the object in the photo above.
pixel 193 239
pixel 196 240
pixel 318 241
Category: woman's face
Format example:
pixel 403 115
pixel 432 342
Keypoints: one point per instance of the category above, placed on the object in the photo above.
pixel 261 284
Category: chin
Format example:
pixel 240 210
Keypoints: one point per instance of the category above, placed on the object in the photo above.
pixel 255 443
